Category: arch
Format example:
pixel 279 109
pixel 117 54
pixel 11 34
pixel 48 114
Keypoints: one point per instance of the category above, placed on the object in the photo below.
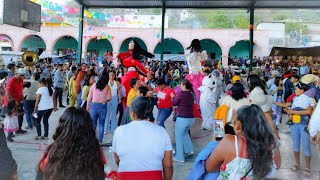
pixel 171 46
pixel 212 47
pixel 240 49
pixel 33 43
pixel 124 44
pixel 99 46
pixel 6 42
pixel 64 43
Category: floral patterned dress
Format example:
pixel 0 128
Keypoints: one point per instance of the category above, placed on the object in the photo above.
pixel 238 167
pixel 11 123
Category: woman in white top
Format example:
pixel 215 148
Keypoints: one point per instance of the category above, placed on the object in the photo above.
pixel 142 149
pixel 247 154
pixel 43 108
pixel 113 104
pixel 236 100
pixel 238 97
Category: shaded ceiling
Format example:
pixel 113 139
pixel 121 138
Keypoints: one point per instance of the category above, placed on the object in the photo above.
pixel 244 4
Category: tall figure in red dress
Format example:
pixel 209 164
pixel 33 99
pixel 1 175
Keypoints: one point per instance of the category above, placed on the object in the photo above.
pixel 131 60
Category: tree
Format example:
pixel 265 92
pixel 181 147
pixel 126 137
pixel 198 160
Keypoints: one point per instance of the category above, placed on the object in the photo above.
pixel 296 26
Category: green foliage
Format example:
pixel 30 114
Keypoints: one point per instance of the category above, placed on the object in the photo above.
pixel 296 26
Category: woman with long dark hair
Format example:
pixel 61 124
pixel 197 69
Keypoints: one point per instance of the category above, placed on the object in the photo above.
pixel 43 108
pixel 259 96
pixel 75 152
pixel 247 154
pixel 111 118
pixel 153 160
pixel 99 95
pixel 88 81
pixel 184 121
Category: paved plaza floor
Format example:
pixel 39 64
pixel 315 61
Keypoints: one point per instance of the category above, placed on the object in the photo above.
pixel 27 151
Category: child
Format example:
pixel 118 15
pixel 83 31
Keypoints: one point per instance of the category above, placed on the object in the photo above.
pixel 11 123
pixel 143 91
pixel 278 96
pixel 301 110
pixel 134 84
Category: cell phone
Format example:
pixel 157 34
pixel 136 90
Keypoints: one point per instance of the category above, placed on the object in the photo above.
pixel 35 115
pixel 218 129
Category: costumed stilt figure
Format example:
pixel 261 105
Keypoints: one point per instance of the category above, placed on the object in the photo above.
pixel 194 60
pixel 209 98
pixel 131 60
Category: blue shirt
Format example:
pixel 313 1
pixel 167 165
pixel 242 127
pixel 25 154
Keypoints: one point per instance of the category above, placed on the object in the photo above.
pixel 58 81
pixel 304 70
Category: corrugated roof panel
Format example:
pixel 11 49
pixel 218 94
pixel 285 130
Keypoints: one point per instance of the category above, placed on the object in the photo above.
pixel 202 4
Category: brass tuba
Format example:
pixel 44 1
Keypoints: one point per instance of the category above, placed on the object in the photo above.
pixel 30 58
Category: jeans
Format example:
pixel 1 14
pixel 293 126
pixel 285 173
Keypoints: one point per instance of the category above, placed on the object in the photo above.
pixel 58 94
pixel 153 103
pixel 163 114
pixel 183 140
pixel 98 111
pixel 28 106
pixel 120 110
pixel 111 114
pixel 300 136
pixel 45 114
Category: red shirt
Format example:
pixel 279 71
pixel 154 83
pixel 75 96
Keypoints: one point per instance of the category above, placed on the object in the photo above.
pixel 164 98
pixel 14 87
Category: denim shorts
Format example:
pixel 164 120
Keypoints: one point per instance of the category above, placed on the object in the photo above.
pixel 300 136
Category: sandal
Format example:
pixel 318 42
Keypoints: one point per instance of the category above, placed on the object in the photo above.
pixel 295 167
pixel 307 172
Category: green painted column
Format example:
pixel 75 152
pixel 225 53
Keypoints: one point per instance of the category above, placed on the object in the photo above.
pixel 162 32
pixel 80 34
pixel 251 37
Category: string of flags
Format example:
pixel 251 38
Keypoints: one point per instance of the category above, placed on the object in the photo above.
pixel 99 34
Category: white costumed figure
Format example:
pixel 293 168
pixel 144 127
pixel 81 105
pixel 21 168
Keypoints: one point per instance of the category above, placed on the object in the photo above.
pixel 209 98
pixel 194 60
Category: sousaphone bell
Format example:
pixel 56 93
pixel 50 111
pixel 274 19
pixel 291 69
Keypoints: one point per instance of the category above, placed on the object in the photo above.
pixel 30 58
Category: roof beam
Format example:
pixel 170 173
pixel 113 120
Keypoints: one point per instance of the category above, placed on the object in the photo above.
pixel 80 2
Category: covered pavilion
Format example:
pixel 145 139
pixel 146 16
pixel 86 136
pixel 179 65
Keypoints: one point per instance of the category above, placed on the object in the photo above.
pixel 250 5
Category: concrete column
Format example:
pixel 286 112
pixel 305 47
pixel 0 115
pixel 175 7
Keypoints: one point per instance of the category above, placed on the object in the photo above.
pixel 225 54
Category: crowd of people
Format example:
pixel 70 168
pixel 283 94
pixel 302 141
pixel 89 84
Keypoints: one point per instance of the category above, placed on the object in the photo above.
pixel 99 104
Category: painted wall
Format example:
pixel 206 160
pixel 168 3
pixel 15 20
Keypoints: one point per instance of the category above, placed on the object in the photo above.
pixel 32 43
pixel 211 47
pixel 240 49
pixel 100 46
pixel 170 45
pixel 65 43
pixel 125 45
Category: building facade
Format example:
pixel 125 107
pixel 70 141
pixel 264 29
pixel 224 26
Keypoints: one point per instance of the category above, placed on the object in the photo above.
pixel 226 39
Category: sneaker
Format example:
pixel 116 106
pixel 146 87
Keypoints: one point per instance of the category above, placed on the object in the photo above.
pixel 62 106
pixel 10 140
pixel 37 138
pixel 190 154
pixel 29 128
pixel 176 160
pixel 21 131
pixel 44 138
